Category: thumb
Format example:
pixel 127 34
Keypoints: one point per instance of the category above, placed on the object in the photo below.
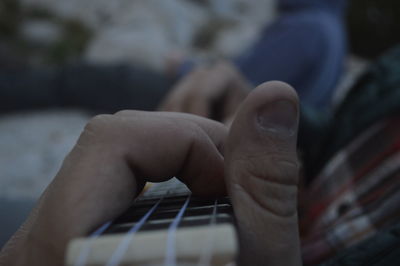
pixel 262 175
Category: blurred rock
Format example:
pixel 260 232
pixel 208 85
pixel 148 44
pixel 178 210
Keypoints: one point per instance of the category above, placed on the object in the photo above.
pixel 145 32
pixel 41 32
pixel 146 35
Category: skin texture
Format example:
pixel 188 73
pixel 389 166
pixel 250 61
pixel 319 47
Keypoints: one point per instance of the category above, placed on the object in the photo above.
pixel 255 160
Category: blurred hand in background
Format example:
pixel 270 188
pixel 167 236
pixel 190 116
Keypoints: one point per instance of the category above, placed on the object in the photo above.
pixel 213 92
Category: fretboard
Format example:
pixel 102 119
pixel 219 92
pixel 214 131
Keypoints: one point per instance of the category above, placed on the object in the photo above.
pixel 197 231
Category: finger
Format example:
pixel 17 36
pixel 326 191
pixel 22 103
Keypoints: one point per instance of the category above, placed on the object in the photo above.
pixel 173 101
pixel 212 128
pixel 195 92
pixel 262 174
pixel 197 103
pixel 208 92
pixel 178 100
pixel 115 155
pixel 235 97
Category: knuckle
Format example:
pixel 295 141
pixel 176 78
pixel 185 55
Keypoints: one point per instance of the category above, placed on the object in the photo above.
pixel 286 172
pixel 276 168
pixel 273 188
pixel 284 169
pixel 97 127
pixel 125 113
pixel 99 121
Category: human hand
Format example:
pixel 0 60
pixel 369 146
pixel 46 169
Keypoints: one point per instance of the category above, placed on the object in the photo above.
pixel 116 154
pixel 213 92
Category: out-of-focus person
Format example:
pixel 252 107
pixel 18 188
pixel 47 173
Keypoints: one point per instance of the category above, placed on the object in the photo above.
pixel 305 47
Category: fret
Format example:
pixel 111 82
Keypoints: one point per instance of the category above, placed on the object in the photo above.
pixel 196 214
pixel 160 224
pixel 204 234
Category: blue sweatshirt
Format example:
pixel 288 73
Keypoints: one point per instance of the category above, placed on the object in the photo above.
pixel 305 47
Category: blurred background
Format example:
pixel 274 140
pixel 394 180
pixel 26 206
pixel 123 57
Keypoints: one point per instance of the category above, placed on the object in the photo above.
pixel 51 33
pixel 49 36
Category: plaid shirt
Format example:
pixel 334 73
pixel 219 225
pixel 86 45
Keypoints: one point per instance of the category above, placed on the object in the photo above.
pixel 356 194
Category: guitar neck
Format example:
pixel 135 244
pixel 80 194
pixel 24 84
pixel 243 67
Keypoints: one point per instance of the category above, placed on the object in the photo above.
pixel 166 225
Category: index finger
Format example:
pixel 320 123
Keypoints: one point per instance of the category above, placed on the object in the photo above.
pixel 117 153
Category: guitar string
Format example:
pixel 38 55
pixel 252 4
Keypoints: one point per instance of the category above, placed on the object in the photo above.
pixel 123 246
pixel 84 253
pixel 86 250
pixel 132 231
pixel 170 255
pixel 206 256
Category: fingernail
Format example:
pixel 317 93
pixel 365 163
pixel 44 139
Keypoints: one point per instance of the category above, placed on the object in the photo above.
pixel 280 117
